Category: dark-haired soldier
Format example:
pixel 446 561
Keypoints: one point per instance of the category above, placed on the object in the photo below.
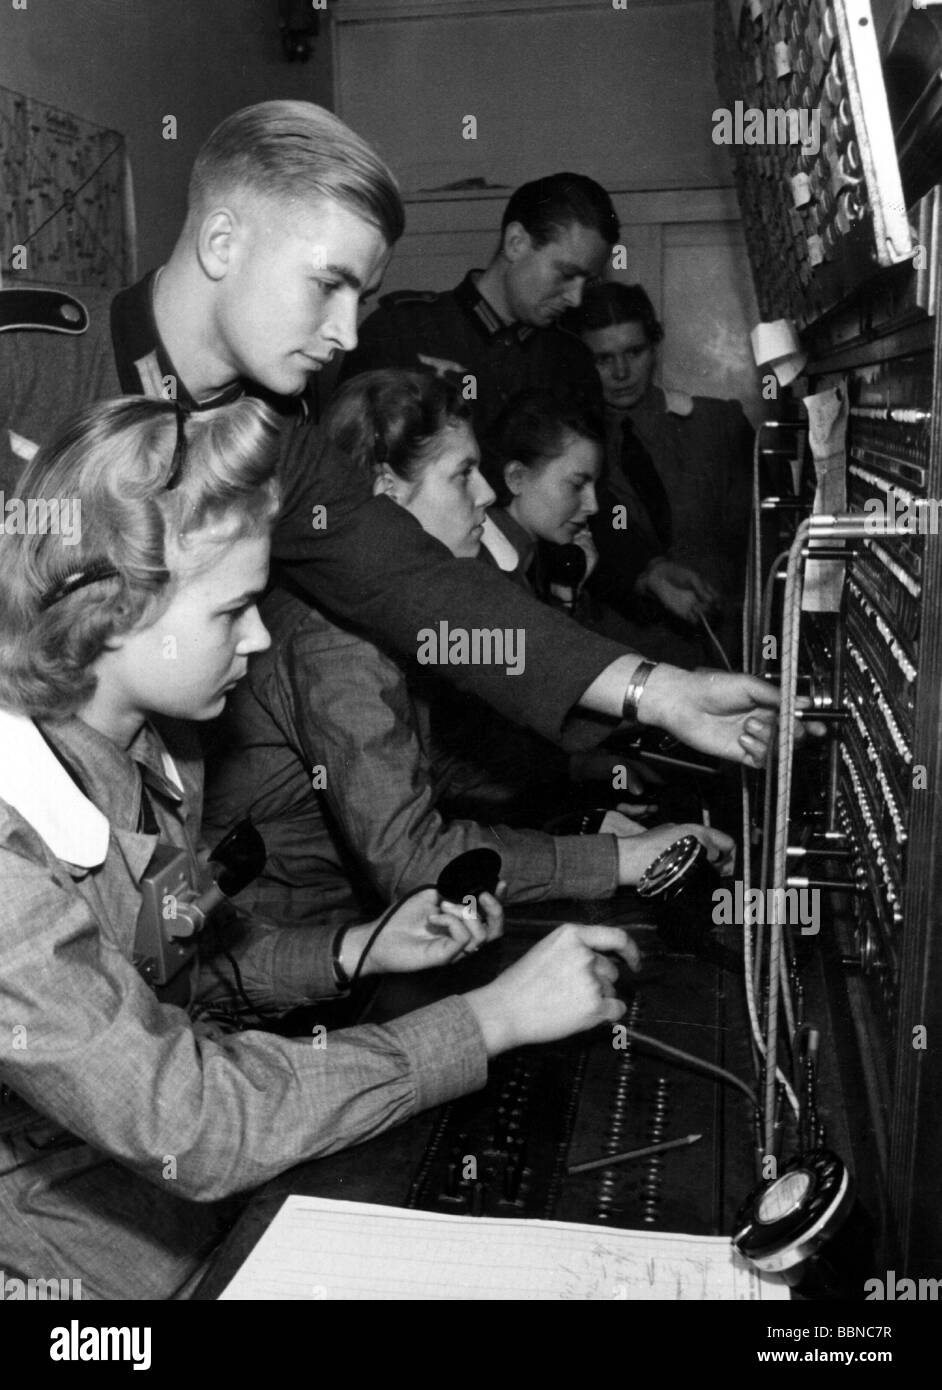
pixel 499 325
pixel 496 335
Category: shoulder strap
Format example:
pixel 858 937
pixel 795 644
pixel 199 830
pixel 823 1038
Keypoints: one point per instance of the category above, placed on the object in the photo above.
pixel 678 402
pixel 53 310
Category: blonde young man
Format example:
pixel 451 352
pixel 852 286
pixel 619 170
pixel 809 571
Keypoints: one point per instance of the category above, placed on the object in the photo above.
pixel 291 221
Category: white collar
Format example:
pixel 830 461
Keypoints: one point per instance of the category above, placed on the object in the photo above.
pixel 503 552
pixel 34 782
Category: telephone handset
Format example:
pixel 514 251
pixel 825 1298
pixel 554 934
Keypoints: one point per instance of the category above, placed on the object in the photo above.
pixel 565 564
pixel 475 872
pixel 172 913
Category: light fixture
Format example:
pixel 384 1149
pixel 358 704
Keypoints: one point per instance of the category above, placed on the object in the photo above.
pixel 299 23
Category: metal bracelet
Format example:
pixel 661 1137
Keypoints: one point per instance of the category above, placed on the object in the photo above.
pixel 629 709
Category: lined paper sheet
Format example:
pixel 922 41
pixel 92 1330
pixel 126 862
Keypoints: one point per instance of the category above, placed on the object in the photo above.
pixel 322 1249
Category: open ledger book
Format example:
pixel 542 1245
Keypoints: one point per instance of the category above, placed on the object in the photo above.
pixel 321 1249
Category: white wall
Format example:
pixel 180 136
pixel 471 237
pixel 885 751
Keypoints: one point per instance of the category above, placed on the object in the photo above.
pixel 625 96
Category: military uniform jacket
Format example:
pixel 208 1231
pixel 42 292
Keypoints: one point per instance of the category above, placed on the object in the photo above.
pixel 457 334
pixel 369 565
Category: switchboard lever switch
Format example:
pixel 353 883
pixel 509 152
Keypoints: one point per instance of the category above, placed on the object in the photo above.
pixel 825 885
pixel 817 852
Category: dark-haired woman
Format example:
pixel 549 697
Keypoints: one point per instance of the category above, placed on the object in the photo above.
pixel 328 746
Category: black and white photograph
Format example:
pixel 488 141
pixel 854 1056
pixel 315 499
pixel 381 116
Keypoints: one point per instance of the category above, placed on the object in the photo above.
pixel 471 666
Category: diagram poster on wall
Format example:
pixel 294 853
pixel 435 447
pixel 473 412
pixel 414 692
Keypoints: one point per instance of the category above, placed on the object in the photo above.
pixel 66 203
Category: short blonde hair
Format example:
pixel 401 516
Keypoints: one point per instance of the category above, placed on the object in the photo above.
pixel 289 150
pixel 114 460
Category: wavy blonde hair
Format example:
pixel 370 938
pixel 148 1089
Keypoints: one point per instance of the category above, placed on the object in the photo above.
pixel 115 460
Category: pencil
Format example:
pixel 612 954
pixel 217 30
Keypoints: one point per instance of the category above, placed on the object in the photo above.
pixel 634 1153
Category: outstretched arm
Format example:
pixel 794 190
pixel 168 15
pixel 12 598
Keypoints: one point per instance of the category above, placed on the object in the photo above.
pixel 373 567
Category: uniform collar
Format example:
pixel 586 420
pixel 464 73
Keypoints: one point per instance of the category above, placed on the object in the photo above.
pixel 144 364
pixel 142 360
pixel 483 315
pixel 68 817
